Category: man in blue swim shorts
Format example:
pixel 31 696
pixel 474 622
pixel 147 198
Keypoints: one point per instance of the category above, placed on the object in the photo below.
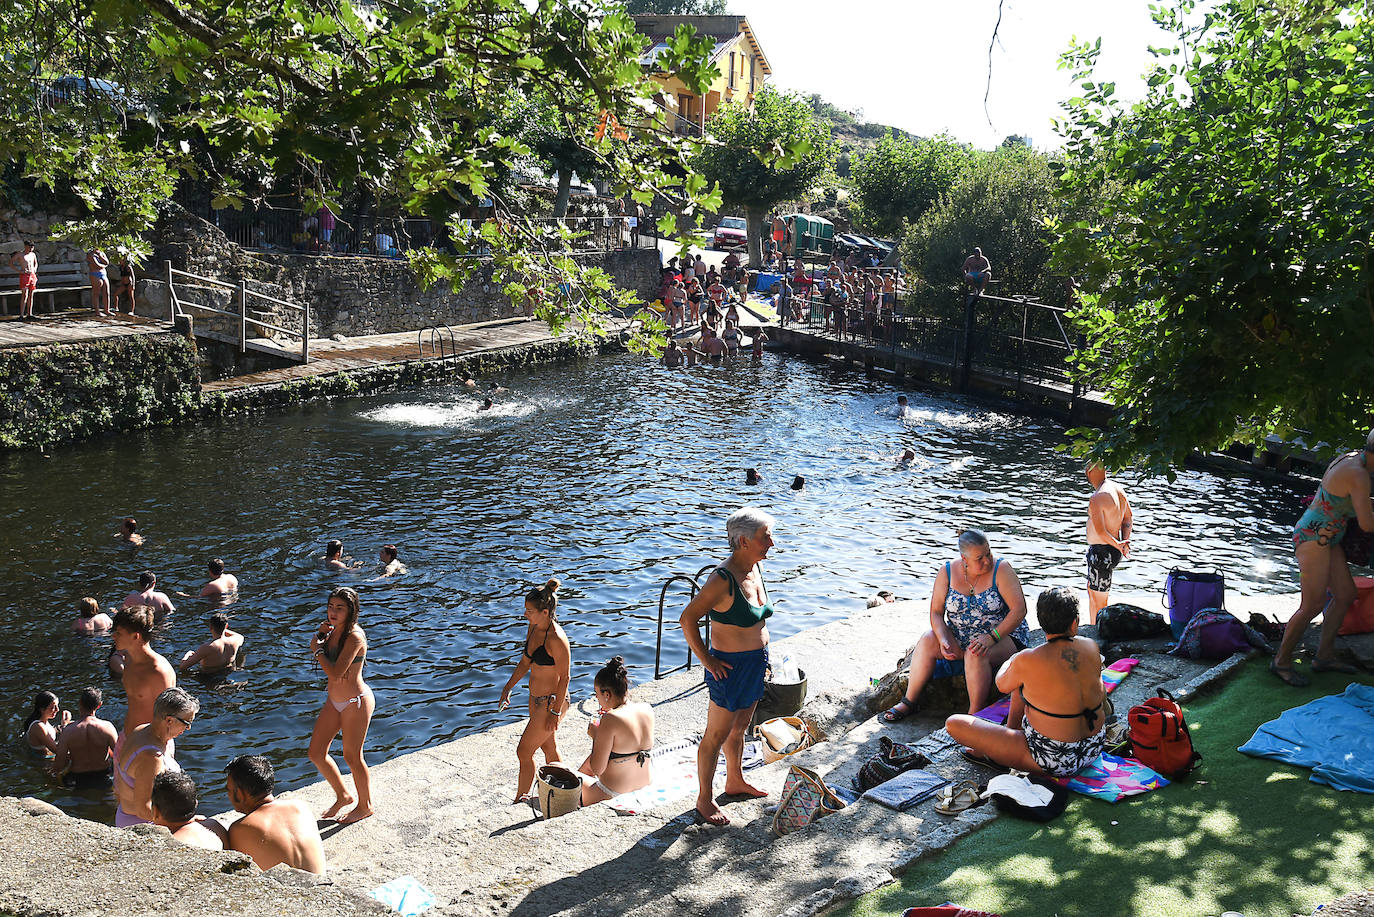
pixel 977 270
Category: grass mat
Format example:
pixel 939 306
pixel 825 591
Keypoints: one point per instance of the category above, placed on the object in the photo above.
pixel 1242 834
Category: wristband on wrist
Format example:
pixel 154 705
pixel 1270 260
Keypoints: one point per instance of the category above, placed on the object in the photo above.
pixel 996 637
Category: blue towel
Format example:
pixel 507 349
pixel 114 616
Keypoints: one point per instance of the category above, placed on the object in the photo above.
pixel 1333 735
pixel 405 895
pixel 906 789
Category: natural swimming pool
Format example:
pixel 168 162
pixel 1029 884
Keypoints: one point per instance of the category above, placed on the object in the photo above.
pixel 610 474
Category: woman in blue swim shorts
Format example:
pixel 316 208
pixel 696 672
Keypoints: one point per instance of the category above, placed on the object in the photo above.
pixel 737 602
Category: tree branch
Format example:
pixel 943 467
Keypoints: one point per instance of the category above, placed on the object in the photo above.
pixel 992 43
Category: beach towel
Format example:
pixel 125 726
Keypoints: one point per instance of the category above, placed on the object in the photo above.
pixel 675 777
pixel 404 895
pixel 1332 735
pixel 906 789
pixel 1112 676
pixel 1113 778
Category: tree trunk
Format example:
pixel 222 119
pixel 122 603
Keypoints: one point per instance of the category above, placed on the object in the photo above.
pixel 560 202
pixel 754 222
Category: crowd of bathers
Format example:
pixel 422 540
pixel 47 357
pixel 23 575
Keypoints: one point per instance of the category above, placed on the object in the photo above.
pixel 705 311
pixel 138 762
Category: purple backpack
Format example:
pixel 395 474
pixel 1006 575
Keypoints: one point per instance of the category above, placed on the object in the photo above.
pixel 1186 593
pixel 1216 634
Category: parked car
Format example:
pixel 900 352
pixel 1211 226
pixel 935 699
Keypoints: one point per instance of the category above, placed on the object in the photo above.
pixel 732 233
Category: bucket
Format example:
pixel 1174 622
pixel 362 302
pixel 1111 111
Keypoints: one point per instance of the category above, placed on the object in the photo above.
pixel 780 700
pixel 559 790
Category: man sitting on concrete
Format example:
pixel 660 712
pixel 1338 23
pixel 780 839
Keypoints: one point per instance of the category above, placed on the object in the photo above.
pixel 148 594
pixel 174 804
pixel 215 656
pixel 86 745
pixel 272 830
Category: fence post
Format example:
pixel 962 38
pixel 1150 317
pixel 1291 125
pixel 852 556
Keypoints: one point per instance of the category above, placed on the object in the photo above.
pixel 1079 340
pixel 970 315
pixel 305 333
pixel 243 316
pixel 171 295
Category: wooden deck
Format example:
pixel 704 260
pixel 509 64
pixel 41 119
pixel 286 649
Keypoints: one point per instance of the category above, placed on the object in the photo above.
pixel 329 356
pixel 74 328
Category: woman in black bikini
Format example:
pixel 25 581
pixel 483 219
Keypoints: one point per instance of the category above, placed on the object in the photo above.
pixel 340 647
pixel 622 738
pixel 1056 721
pixel 548 660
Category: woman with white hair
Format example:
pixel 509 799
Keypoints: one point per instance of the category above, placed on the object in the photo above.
pixel 1322 569
pixel 736 601
pixel 977 621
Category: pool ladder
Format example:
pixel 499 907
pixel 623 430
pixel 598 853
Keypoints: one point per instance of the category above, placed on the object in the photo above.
pixel 694 584
pixel 437 335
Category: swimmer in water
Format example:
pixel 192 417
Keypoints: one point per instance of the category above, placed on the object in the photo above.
pixel 216 656
pixel 672 356
pixel 340 648
pixel 390 562
pixel 901 409
pixel 334 557
pixel 907 457
pixel 469 382
pixel 90 619
pixel 221 584
pixel 798 483
pixel 487 405
pixel 85 747
pixel 38 731
pixel 751 476
pixel 128 532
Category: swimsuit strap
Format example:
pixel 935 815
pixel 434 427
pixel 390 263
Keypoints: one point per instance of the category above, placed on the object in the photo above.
pixel 1088 713
pixel 1060 637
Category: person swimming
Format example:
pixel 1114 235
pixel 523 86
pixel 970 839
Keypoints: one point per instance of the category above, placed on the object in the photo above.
pixel 38 730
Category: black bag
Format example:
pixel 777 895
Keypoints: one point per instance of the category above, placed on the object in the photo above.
pixel 893 758
pixel 1051 810
pixel 1128 622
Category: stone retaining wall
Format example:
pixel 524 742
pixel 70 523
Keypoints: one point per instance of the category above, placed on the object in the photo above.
pixel 355 295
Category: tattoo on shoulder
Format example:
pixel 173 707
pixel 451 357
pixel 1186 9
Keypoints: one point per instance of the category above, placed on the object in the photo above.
pixel 1070 655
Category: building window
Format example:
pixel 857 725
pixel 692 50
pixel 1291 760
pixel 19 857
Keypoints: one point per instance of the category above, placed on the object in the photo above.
pixel 732 69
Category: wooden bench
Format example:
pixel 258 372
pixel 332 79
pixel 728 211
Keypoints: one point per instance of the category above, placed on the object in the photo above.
pixel 58 277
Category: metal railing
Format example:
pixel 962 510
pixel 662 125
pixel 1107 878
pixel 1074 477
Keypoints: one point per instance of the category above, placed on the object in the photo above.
pixel 242 293
pixel 438 334
pixel 694 582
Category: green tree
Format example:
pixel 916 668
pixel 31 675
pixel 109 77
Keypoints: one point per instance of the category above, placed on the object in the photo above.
pixel 1227 291
pixel 677 7
pixel 1001 203
pixel 764 156
pixel 900 179
pixel 397 100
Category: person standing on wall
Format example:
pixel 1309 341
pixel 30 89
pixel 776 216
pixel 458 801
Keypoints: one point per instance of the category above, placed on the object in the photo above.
pixel 1109 535
pixel 26 264
pixel 96 264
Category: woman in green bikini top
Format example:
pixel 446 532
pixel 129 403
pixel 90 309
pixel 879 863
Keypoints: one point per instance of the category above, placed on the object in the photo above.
pixel 1344 494
pixel 742 612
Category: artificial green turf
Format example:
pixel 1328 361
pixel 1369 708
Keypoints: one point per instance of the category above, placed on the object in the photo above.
pixel 1242 834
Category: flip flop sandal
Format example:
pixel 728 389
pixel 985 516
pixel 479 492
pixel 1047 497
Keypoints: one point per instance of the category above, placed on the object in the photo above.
pixel 1285 674
pixel 900 711
pixel 1333 665
pixel 957 797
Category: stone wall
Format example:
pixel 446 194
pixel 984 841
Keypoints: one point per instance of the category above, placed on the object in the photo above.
pixel 352 294
pixel 25 224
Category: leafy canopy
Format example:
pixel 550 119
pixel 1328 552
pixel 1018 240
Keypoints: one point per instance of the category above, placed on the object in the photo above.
pixel 901 178
pixel 1225 266
pixel 762 157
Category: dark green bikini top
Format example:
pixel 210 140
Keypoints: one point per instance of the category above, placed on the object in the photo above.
pixel 741 613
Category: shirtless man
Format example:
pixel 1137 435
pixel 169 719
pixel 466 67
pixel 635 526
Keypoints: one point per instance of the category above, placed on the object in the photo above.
pixel 174 804
pixel 86 745
pixel 333 551
pixel 215 656
pixel 221 584
pixel 672 356
pixel 977 270
pixel 148 595
pixel 128 532
pixel 146 674
pixel 272 830
pixel 713 346
pixel 1109 536
pixel 389 563
pixel 90 619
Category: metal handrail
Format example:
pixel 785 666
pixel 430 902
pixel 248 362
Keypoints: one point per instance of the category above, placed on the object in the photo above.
pixel 303 332
pixel 694 581
pixel 437 334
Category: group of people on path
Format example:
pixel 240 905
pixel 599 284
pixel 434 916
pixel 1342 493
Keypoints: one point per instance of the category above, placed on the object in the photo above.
pixel 110 286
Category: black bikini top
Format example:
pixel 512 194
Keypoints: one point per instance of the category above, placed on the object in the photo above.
pixel 1089 713
pixel 541 655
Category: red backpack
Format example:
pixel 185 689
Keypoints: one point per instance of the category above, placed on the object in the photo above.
pixel 1159 736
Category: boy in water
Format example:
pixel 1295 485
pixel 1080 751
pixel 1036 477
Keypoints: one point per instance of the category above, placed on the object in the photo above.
pixel 86 745
pixel 128 532
pixel 215 656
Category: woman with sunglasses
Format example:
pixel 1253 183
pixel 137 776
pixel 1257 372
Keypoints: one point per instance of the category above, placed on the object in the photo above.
pixel 147 751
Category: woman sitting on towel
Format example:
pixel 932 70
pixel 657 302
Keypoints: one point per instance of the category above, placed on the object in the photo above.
pixel 1056 698
pixel 737 602
pixel 548 660
pixel 622 738
pixel 977 620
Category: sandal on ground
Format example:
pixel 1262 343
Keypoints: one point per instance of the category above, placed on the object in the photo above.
pixel 899 711
pixel 1333 665
pixel 1285 674
pixel 983 760
pixel 957 797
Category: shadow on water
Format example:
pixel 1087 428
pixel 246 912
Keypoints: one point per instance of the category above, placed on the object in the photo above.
pixel 611 475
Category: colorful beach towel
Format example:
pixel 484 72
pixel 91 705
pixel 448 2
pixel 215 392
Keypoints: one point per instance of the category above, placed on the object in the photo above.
pixel 675 777
pixel 1113 778
pixel 1112 676
pixel 1333 735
